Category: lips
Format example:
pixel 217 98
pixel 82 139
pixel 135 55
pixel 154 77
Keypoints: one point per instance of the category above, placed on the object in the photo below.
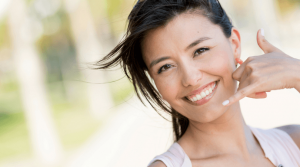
pixel 203 94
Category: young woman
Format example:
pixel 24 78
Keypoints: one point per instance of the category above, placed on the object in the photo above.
pixel 190 50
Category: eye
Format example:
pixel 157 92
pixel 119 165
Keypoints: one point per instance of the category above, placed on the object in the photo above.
pixel 164 68
pixel 200 51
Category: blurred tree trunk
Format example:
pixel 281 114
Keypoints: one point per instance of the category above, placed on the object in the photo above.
pixel 29 71
pixel 89 50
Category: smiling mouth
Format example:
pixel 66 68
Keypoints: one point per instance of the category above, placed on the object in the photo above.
pixel 204 96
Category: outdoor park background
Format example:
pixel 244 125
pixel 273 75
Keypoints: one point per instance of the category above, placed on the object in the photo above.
pixel 54 113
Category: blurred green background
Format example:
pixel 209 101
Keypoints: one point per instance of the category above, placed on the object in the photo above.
pixel 65 88
pixel 62 32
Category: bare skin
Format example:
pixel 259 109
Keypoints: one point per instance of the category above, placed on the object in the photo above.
pixel 272 71
pixel 217 134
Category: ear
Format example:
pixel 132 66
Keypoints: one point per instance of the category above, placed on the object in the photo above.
pixel 235 41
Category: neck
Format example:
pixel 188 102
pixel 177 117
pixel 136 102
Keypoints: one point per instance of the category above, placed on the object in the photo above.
pixel 229 134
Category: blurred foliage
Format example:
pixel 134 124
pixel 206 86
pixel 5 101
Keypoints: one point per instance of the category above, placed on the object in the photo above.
pixel 58 50
pixel 4 38
pixel 286 6
pixel 73 121
pixel 74 132
pixel 113 11
pixel 118 11
pixel 114 7
pixel 29 1
pixel 67 96
pixel 121 90
pixel 14 137
pixel 10 101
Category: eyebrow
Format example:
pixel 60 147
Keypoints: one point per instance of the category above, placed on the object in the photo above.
pixel 197 42
pixel 158 61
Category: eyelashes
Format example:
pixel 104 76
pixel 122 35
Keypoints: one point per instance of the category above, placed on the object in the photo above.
pixel 198 52
pixel 164 68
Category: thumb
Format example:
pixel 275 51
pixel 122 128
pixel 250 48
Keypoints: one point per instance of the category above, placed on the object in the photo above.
pixel 264 44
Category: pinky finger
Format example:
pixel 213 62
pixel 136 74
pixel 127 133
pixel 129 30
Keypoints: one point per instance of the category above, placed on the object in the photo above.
pixel 240 95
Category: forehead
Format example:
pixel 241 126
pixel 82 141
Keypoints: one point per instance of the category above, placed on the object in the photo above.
pixel 178 33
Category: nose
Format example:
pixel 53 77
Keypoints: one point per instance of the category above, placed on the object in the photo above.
pixel 191 75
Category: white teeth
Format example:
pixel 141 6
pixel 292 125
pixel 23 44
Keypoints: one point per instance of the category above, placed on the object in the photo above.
pixel 194 99
pixel 199 97
pixel 203 95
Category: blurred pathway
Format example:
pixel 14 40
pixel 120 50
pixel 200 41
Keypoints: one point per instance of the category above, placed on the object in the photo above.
pixel 131 136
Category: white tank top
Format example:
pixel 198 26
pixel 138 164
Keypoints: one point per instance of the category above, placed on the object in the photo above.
pixel 278 146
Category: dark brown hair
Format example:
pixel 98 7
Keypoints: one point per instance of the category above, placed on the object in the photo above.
pixel 148 15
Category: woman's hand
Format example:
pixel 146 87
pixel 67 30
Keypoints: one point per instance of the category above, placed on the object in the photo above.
pixel 259 74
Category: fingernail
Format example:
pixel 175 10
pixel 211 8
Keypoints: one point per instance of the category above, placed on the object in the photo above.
pixel 262 31
pixel 225 102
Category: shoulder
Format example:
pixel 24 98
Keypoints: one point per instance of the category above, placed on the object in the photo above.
pixel 293 131
pixel 157 164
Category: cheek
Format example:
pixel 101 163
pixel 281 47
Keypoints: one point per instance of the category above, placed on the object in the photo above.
pixel 225 67
pixel 167 87
pixel 221 64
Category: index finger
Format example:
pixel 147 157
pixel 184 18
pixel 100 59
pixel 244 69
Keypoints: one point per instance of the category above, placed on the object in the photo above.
pixel 237 74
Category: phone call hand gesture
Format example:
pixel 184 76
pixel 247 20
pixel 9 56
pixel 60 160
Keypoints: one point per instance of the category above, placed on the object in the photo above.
pixel 259 74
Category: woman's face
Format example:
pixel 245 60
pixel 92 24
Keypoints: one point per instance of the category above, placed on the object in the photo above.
pixel 191 62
